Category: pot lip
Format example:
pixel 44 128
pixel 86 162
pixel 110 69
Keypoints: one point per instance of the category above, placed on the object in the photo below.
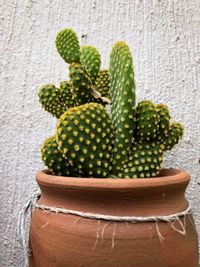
pixel 168 177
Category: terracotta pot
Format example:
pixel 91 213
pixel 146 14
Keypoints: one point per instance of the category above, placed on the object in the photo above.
pixel 60 240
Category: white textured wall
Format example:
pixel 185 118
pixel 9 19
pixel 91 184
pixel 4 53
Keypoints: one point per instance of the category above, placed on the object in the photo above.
pixel 164 37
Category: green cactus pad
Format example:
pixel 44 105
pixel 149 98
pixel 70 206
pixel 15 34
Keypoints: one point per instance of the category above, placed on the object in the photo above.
pixel 144 160
pixel 85 136
pixel 67 45
pixel 67 94
pixel 122 89
pixel 90 58
pixel 103 83
pixel 51 99
pixel 53 159
pixel 164 121
pixel 147 120
pixel 82 85
pixel 174 135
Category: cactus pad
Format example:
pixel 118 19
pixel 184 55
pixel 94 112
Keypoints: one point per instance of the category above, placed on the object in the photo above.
pixel 90 58
pixel 53 159
pixel 82 85
pixel 122 89
pixel 164 121
pixel 67 45
pixel 85 135
pixel 51 99
pixel 67 94
pixel 144 160
pixel 147 120
pixel 174 135
pixel 103 83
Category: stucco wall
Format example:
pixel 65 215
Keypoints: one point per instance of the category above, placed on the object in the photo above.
pixel 164 37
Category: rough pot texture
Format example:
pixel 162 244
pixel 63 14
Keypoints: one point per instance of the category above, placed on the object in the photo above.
pixel 61 240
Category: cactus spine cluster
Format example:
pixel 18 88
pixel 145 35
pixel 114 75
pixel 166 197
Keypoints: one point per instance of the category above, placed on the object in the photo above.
pixel 130 142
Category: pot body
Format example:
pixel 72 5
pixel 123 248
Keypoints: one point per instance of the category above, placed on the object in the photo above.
pixel 60 240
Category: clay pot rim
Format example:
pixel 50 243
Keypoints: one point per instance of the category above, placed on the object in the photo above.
pixel 167 177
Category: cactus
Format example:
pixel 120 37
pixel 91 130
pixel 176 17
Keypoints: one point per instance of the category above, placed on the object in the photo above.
pixel 57 100
pixel 51 99
pixel 128 143
pixel 67 45
pixel 67 94
pixel 150 125
pixel 146 120
pixel 174 135
pixel 82 85
pixel 103 83
pixel 122 91
pixel 84 66
pixel 164 121
pixel 144 160
pixel 84 70
pixel 85 136
pixel 90 58
pixel 147 150
pixel 53 159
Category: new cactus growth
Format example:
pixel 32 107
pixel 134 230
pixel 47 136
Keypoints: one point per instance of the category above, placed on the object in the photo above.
pixel 174 135
pixel 130 142
pixel 68 46
pixel 103 83
pixel 164 120
pixel 51 99
pixel 53 158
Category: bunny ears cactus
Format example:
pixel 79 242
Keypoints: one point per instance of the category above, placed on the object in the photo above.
pixel 89 142
pixel 87 82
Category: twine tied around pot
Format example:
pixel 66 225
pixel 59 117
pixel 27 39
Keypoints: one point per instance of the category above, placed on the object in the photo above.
pixel 23 226
pixel 32 204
